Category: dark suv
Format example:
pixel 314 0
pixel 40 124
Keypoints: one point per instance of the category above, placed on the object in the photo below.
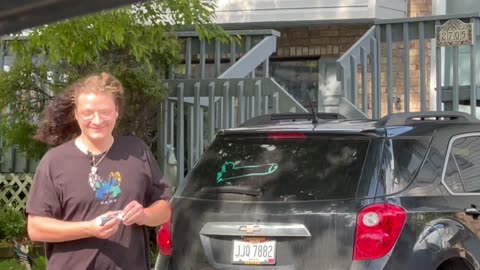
pixel 287 192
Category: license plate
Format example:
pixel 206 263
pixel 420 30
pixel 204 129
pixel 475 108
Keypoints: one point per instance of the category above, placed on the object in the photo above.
pixel 254 251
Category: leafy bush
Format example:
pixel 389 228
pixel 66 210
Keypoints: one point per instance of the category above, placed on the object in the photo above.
pixel 13 224
pixel 40 263
pixel 10 264
pixel 14 264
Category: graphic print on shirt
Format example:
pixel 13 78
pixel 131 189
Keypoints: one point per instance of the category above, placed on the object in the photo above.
pixel 107 190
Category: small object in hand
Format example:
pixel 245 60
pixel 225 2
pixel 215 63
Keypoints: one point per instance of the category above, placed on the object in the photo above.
pixel 102 220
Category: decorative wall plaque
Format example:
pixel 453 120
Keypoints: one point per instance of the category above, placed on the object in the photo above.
pixel 454 33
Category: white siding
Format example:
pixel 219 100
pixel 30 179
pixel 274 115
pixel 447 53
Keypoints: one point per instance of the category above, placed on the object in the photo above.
pixel 462 6
pixel 387 9
pixel 247 11
pixel 290 4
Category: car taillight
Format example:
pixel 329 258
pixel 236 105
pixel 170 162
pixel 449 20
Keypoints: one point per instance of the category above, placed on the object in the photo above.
pixel 286 135
pixel 164 240
pixel 378 228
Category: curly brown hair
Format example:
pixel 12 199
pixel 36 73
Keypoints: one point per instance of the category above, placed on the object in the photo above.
pixel 59 124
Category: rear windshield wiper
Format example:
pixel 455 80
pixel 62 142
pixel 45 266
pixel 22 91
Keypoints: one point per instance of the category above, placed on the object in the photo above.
pixel 233 189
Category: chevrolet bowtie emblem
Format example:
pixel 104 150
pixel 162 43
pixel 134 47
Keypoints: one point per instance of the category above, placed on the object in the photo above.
pixel 249 228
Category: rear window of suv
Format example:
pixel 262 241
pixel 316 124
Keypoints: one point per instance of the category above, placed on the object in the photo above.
pixel 279 167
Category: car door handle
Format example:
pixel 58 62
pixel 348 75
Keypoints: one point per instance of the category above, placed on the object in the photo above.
pixel 472 211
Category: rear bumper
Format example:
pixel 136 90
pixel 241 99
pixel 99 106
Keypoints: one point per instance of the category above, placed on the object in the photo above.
pixel 165 263
pixel 370 265
pixel 162 263
pixel 398 261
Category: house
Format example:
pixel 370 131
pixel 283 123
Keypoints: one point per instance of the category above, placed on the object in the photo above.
pixel 349 56
pixel 344 56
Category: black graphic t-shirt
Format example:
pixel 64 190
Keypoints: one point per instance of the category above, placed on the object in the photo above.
pixel 62 189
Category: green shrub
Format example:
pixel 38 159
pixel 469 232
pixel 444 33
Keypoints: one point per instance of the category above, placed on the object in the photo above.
pixel 40 263
pixel 10 264
pixel 13 225
pixel 14 264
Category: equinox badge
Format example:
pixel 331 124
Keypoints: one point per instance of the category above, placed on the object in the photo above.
pixel 250 228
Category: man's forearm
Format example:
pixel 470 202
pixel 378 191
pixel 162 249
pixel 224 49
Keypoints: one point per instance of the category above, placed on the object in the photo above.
pixel 44 229
pixel 157 213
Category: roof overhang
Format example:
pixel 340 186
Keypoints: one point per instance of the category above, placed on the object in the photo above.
pixel 294 24
pixel 16 15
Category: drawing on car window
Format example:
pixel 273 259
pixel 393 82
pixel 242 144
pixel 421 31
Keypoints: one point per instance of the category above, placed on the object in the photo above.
pixel 230 170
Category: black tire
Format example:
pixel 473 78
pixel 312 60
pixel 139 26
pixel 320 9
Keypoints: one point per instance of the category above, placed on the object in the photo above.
pixel 458 264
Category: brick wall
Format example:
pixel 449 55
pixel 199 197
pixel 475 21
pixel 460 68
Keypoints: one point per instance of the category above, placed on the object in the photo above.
pixel 416 8
pixel 333 40
pixel 419 8
pixel 318 41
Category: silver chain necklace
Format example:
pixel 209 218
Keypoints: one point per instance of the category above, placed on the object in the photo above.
pixel 94 167
pixel 93 176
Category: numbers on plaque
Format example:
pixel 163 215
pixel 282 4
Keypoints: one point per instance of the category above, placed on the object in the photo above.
pixel 454 33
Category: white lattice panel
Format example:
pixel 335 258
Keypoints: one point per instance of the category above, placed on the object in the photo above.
pixel 14 189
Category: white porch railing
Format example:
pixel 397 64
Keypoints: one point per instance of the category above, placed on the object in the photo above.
pixel 369 72
pixel 197 109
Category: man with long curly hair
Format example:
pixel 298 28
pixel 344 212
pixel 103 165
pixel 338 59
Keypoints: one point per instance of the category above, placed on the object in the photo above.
pixel 94 192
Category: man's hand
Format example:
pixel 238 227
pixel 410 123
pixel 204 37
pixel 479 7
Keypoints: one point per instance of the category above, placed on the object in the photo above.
pixel 133 214
pixel 108 229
